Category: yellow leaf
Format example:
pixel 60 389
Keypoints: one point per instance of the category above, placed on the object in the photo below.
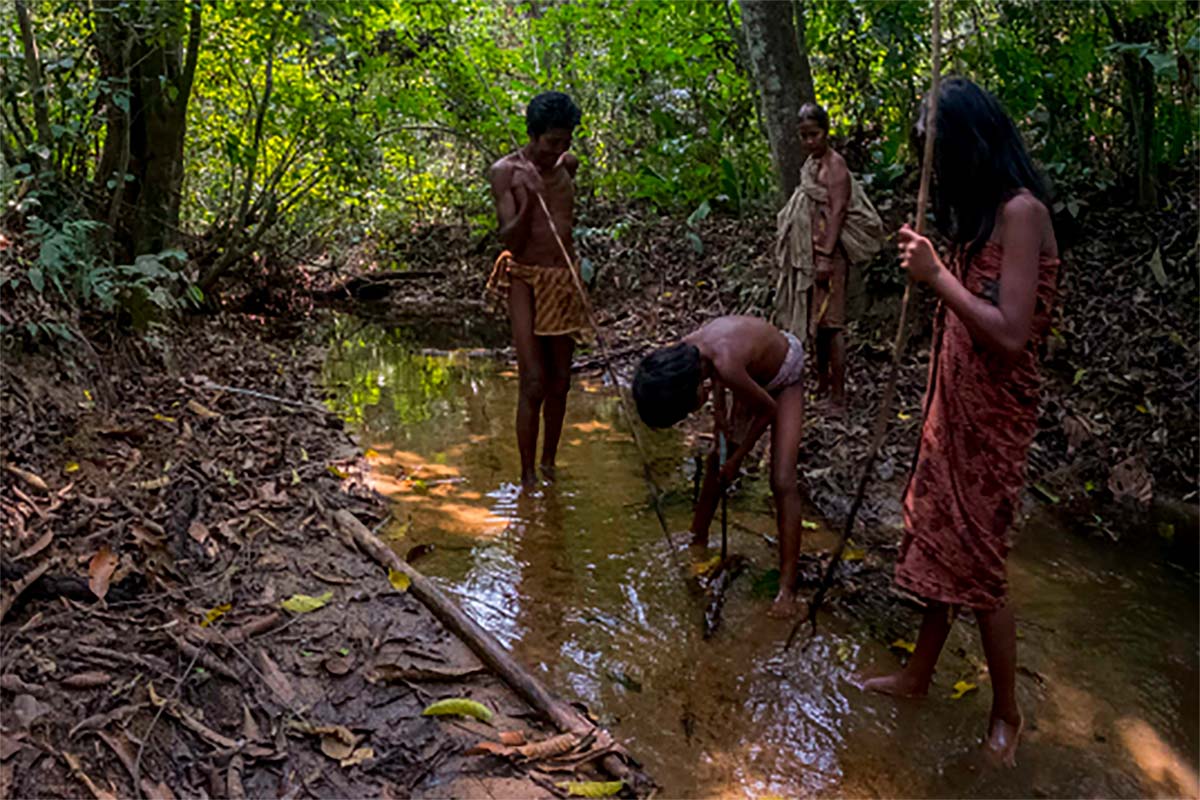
pixel 809 525
pixel 72 466
pixel 337 472
pixel 163 418
pixel 961 688
pixel 303 603
pixel 591 788
pixel 303 454
pixel 902 416
pixel 399 581
pixel 1142 408
pixel 901 644
pixel 87 395
pixel 419 486
pixel 214 614
pixel 371 453
pixel 295 476
pixel 705 567
pixel 853 554
pixel 459 706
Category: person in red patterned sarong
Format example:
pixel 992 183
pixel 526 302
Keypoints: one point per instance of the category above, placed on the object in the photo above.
pixel 982 400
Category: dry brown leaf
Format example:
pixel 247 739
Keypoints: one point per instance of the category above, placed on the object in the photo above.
pixel 198 531
pixel 10 745
pixel 513 738
pixel 30 478
pixel 41 544
pixel 335 747
pixel 157 483
pixel 275 678
pixel 86 680
pixel 100 571
pixel 201 411
pixel 1130 479
pixel 77 769
pixel 157 791
pixel 360 755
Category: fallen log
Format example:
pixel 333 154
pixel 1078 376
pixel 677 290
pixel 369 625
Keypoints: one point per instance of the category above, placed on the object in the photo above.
pixel 491 652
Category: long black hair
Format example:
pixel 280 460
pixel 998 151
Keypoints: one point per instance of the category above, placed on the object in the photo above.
pixel 979 162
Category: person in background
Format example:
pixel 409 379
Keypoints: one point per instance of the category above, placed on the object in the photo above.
pixel 531 277
pixel 996 291
pixel 826 225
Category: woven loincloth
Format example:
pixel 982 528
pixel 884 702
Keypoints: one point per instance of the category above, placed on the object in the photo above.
pixel 558 308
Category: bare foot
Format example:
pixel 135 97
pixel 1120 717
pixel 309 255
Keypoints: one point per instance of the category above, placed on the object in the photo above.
pixel 549 473
pixel 1002 741
pixel 529 480
pixel 898 684
pixel 785 606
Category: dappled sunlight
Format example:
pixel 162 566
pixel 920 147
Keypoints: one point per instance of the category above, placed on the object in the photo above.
pixel 1162 767
pixel 592 426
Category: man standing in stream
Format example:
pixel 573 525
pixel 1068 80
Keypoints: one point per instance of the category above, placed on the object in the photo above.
pixel 533 274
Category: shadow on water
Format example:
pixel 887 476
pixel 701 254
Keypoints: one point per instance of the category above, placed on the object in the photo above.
pixel 577 580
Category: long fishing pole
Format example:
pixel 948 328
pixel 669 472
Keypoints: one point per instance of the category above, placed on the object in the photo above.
pixel 879 429
pixel 605 356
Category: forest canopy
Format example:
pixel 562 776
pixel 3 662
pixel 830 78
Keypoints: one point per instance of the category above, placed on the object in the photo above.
pixel 201 132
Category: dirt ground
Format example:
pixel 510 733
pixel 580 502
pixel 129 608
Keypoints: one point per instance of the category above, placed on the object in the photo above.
pixel 201 515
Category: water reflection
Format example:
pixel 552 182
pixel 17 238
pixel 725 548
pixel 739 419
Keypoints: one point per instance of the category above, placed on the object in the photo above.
pixel 577 580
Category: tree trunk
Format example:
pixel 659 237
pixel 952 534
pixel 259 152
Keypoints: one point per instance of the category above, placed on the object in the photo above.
pixel 141 167
pixel 1141 101
pixel 33 66
pixel 780 70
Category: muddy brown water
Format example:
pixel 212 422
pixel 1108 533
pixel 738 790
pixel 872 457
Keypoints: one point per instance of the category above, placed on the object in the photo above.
pixel 577 579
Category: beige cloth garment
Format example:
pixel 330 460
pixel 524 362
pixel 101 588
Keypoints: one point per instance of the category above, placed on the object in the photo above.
pixel 861 237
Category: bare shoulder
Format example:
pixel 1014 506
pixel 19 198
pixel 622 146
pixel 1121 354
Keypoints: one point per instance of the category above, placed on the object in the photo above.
pixel 570 163
pixel 1024 208
pixel 500 173
pixel 1024 216
pixel 838 169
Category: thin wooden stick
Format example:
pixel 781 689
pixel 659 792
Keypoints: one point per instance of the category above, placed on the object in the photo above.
pixel 879 429
pixel 489 651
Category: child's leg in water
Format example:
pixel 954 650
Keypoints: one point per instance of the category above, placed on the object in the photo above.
pixel 913 680
pixel 785 446
pixel 706 503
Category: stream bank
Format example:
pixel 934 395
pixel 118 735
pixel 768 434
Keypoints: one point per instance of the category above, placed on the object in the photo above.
pixel 241 648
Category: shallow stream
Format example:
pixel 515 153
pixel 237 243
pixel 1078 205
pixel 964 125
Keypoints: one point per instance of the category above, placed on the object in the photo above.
pixel 578 580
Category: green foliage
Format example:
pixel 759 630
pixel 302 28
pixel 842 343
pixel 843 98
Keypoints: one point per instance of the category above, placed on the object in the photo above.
pixel 326 120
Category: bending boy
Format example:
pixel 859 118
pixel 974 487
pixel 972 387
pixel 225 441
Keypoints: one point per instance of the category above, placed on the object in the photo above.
pixel 762 367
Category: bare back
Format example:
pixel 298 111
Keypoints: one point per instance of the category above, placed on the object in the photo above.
pixel 753 344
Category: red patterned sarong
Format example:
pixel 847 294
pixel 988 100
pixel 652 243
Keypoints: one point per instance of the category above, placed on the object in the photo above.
pixel 981 417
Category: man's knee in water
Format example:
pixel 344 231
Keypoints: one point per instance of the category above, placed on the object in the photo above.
pixel 533 385
pixel 557 385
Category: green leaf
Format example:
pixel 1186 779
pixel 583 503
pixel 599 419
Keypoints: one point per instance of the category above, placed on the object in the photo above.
pixel 591 788
pixel 303 603
pixel 458 706
pixel 37 279
pixel 1156 267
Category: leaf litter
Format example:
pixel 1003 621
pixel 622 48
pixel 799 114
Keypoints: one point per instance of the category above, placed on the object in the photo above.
pixel 181 526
